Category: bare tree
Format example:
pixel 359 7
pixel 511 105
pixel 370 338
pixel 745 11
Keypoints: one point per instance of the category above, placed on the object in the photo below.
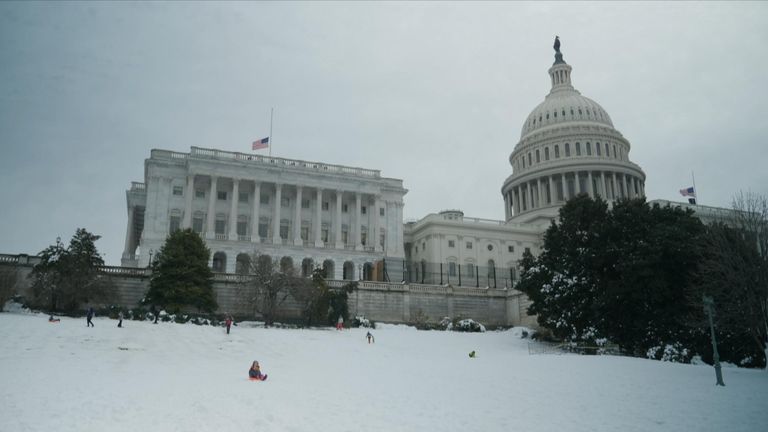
pixel 266 286
pixel 751 217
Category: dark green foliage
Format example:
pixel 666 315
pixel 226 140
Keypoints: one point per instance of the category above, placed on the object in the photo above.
pixel 180 274
pixel 67 277
pixel 619 274
pixel 337 303
pixel 320 303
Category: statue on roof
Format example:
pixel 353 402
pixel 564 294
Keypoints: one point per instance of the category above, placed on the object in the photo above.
pixel 557 44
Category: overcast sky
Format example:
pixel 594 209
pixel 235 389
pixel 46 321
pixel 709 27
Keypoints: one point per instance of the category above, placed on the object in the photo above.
pixel 431 93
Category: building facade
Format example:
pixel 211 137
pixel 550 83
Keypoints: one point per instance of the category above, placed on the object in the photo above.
pixel 350 220
pixel 343 218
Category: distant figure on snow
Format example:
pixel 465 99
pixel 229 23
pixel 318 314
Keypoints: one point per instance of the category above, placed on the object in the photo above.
pixel 89 317
pixel 370 338
pixel 472 354
pixel 120 319
pixel 52 319
pixel 228 323
pixel 340 323
pixel 254 372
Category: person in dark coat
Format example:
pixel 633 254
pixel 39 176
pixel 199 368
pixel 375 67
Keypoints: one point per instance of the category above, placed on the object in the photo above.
pixel 120 319
pixel 89 317
pixel 228 323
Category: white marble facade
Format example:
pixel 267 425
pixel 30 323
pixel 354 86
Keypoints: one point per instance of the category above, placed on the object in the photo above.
pixel 242 203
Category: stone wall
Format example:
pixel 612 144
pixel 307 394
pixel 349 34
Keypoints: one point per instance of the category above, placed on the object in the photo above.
pixel 378 301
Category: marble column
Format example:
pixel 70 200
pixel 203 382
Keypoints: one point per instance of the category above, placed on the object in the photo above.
pixel 276 239
pixel 128 250
pixel 375 231
pixel 297 240
pixel 339 244
pixel 565 187
pixel 358 223
pixel 551 185
pixel 255 238
pixel 590 185
pixel 233 209
pixel 212 196
pixel 189 193
pixel 318 222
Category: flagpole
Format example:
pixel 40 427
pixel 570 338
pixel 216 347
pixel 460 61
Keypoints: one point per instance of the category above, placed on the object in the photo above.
pixel 695 191
pixel 271 141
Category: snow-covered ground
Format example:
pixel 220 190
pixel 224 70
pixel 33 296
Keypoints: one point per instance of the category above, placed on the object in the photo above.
pixel 167 377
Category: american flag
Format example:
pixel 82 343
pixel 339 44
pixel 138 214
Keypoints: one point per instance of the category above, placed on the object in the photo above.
pixel 688 192
pixel 260 144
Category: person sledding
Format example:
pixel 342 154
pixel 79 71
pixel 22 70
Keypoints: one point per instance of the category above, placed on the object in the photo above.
pixel 370 338
pixel 254 373
pixel 51 319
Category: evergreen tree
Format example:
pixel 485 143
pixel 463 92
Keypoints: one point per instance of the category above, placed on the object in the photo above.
pixel 67 277
pixel 180 274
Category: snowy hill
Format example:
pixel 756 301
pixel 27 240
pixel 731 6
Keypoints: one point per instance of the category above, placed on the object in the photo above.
pixel 166 377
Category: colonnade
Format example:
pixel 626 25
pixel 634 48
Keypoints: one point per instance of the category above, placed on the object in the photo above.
pixel 548 190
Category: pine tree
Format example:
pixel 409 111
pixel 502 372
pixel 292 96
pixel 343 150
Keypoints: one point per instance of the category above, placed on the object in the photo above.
pixel 180 274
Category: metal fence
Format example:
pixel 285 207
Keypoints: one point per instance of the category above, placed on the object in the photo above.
pixel 456 274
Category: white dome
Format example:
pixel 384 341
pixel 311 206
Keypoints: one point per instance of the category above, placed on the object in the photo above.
pixel 565 106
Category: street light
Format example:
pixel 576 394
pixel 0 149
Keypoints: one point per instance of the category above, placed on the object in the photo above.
pixel 149 264
pixel 709 308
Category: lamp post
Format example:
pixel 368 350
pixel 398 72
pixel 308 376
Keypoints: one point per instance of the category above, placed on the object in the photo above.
pixel 149 264
pixel 359 272
pixel 709 308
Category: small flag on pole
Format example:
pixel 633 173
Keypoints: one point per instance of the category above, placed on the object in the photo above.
pixel 688 192
pixel 260 144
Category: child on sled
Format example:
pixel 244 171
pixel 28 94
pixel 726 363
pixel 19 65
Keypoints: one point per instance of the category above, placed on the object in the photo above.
pixel 254 372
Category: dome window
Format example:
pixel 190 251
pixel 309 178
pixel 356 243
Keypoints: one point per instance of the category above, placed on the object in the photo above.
pixel 614 151
pixel 578 149
pixel 557 151
pixel 538 156
pixel 546 153
pixel 567 150
pixel 607 150
pixel 547 116
pixel 597 149
pixel 539 118
pixel 529 158
pixel 589 150
pixel 563 112
pixel 572 112
pixel 580 113
pixel 555 114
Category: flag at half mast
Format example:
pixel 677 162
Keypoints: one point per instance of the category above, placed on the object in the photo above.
pixel 688 192
pixel 260 144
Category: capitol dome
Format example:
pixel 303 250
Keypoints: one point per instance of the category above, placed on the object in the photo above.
pixel 568 145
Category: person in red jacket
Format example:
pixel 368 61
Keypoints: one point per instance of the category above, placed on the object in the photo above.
pixel 228 323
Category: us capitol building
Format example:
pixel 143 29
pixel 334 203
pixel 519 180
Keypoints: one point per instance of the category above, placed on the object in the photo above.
pixel 350 220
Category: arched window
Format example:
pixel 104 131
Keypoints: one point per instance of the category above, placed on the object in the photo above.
pixel 589 149
pixel 243 264
pixel 197 222
pixel 557 151
pixel 538 156
pixel 578 149
pixel 328 269
pixel 349 270
pixel 567 150
pixel 175 221
pixel 546 153
pixel 306 267
pixel 368 271
pixel 219 262
pixel 286 264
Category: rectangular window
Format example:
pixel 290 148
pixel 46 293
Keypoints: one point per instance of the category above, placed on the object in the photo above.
pixel 344 208
pixel 221 226
pixel 451 269
pixel 470 270
pixel 326 206
pixel 324 235
pixel 197 225
pixel 578 149
pixel 243 198
pixel 305 203
pixel 363 210
pixel 363 238
pixel 511 248
pixel 263 229
pixel 175 224
pixel 242 227
pixel 469 245
pixel 221 195
pixel 264 199
pixel 285 202
pixel 178 190
pixel 451 243
pixel 284 231
pixel 381 211
pixel 199 193
pixel 305 233
pixel 344 236
pixel 381 239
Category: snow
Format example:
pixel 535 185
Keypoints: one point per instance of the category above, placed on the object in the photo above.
pixel 172 377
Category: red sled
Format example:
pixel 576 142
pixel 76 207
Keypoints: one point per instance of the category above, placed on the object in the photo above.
pixel 261 378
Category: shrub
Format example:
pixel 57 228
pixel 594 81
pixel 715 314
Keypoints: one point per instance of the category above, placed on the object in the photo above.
pixel 361 321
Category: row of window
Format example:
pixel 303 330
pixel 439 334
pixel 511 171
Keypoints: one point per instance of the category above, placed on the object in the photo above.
pixel 597 114
pixel 243 197
pixel 220 228
pixel 618 152
pixel 468 245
